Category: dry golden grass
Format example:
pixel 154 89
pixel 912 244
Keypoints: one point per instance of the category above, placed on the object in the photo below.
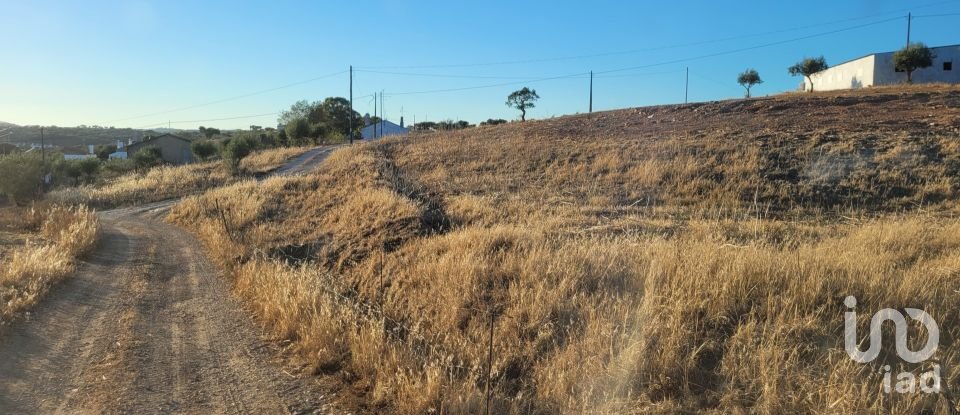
pixel 158 183
pixel 29 270
pixel 168 182
pixel 654 260
pixel 267 160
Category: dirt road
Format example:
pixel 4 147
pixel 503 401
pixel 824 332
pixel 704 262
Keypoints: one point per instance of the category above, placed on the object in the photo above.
pixel 146 325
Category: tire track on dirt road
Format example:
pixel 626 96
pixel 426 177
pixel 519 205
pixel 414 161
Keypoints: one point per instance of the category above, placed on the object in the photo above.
pixel 148 325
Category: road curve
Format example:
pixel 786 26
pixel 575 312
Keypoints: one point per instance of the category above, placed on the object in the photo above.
pixel 147 325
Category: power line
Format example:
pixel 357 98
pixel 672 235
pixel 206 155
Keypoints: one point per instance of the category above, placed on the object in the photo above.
pixel 264 91
pixel 211 119
pixel 732 51
pixel 434 75
pixel 676 46
pixel 936 15
pixel 488 86
pixel 633 75
pixel 674 61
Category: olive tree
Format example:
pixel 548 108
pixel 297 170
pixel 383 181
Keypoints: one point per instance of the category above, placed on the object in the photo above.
pixel 748 78
pixel 912 57
pixel 807 67
pixel 523 100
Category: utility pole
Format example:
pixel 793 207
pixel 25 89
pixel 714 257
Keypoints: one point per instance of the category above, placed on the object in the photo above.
pixel 351 104
pixel 591 91
pixel 686 87
pixel 375 124
pixel 383 115
pixel 909 19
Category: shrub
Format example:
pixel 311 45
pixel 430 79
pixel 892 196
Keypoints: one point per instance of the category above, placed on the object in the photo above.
pixel 203 149
pixel 89 167
pixel 147 157
pixel 236 150
pixel 21 173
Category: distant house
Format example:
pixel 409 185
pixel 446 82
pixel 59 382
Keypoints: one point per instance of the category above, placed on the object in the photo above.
pixel 383 129
pixel 878 69
pixel 78 156
pixel 120 154
pixel 173 149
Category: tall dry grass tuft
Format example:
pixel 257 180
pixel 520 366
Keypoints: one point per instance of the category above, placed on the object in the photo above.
pixel 168 182
pixel 266 160
pixel 66 233
pixel 657 260
pixel 158 183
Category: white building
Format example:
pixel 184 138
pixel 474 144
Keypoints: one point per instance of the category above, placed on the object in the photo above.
pixel 78 156
pixel 383 129
pixel 878 69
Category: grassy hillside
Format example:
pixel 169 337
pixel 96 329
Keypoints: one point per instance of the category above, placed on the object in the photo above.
pixel 688 258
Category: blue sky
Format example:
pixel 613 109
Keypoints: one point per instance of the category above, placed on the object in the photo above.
pixel 110 63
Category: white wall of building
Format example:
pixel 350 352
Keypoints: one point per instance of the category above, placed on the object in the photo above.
pixel 858 73
pixel 878 69
pixel 887 75
pixel 385 129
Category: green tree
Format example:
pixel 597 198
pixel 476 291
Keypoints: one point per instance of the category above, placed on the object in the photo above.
pixel 337 116
pixel 89 167
pixel 912 57
pixel 203 149
pixel 523 100
pixel 492 121
pixel 236 150
pixel 147 157
pixel 209 132
pixel 807 67
pixel 21 173
pixel 103 151
pixel 332 116
pixel 71 169
pixel 299 109
pixel 297 130
pixel 748 78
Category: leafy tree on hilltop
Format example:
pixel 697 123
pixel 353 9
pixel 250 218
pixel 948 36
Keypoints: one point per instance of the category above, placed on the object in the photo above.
pixel 748 79
pixel 209 132
pixel 523 100
pixel 807 67
pixel 912 57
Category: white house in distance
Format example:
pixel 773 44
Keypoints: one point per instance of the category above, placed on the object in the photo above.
pixel 878 69
pixel 383 129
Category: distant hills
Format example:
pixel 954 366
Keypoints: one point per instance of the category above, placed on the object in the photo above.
pixel 72 137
